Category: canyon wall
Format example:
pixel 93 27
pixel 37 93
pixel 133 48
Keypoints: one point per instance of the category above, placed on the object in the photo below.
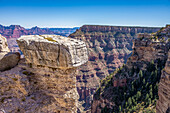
pixel 163 104
pixel 109 48
pixel 134 86
pixel 45 81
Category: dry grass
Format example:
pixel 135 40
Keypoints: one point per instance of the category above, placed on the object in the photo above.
pixel 50 39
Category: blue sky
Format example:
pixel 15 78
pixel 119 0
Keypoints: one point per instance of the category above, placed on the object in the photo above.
pixel 72 13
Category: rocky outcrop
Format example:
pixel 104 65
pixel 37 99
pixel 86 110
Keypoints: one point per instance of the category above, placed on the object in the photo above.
pixel 46 81
pixel 163 104
pixel 145 51
pixel 3 46
pixel 109 47
pixel 61 52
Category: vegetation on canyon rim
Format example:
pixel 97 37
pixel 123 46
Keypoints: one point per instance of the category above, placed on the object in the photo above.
pixel 139 94
pixel 134 86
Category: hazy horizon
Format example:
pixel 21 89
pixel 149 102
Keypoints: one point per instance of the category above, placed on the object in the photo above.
pixel 75 13
pixel 86 24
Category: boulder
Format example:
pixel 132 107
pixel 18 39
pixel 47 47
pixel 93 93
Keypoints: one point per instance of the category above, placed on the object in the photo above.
pixel 9 61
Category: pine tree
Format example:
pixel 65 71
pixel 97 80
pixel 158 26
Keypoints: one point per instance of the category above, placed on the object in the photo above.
pixel 151 94
pixel 149 101
pixel 143 81
pixel 120 109
pixel 133 88
pixel 138 94
pixel 140 74
pixel 130 101
pixel 147 97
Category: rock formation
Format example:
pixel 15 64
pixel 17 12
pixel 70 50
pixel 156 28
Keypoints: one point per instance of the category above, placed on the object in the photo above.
pixel 3 46
pixel 9 61
pixel 46 81
pixel 53 51
pixel 109 47
pixel 120 91
pixel 163 104
pixel 145 51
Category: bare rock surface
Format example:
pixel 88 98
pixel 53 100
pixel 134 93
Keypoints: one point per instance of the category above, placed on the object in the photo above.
pixel 45 81
pixel 9 61
pixel 3 46
pixel 53 51
pixel 163 104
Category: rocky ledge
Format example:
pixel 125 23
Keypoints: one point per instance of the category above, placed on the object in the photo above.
pixel 53 51
pixel 45 81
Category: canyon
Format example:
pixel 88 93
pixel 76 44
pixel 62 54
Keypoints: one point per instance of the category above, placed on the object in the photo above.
pixel 109 48
pixel 142 84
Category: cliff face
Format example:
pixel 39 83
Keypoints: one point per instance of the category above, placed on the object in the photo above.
pixel 146 51
pixel 3 45
pixel 46 81
pixel 109 47
pixel 163 104
pixel 134 87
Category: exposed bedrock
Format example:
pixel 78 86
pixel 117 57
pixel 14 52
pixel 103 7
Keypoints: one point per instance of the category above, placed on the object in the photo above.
pixel 163 104
pixel 109 48
pixel 46 81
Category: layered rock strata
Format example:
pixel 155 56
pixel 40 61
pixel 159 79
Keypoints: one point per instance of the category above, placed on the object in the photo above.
pixel 163 104
pixel 146 50
pixel 109 47
pixel 46 81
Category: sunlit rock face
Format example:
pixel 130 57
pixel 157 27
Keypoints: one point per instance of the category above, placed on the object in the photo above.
pixel 163 104
pixel 53 51
pixel 45 81
pixel 3 46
